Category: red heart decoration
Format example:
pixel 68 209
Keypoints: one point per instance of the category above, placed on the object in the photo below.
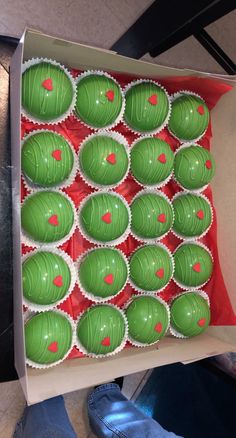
pixel 162 158
pixel 201 110
pixel 53 220
pixel 200 214
pixel 160 273
pixel 106 342
pixel 197 267
pixel 161 218
pixel 107 218
pixel 201 322
pixel 110 95
pixel 208 164
pixel 58 281
pixel 47 84
pixel 57 154
pixel 109 279
pixel 53 347
pixel 153 99
pixel 158 327
pixel 111 158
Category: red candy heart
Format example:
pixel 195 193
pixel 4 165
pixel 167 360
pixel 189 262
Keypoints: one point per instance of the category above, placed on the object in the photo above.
pixel 201 110
pixel 53 220
pixel 160 273
pixel 161 218
pixel 197 267
pixel 201 322
pixel 107 218
pixel 153 99
pixel 47 84
pixel 162 158
pixel 106 342
pixel 200 214
pixel 109 279
pixel 111 158
pixel 57 154
pixel 110 95
pixel 58 281
pixel 53 347
pixel 208 164
pixel 158 327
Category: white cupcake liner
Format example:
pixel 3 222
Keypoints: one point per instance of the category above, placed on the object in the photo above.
pixel 203 294
pixel 33 119
pixel 114 242
pixel 115 136
pixel 29 185
pixel 157 291
pixel 178 94
pixel 139 344
pixel 89 295
pixel 192 238
pixel 101 73
pixel 153 192
pixel 149 186
pixel 184 286
pixel 164 124
pixel 36 365
pixel 43 308
pixel 83 350
pixel 184 146
pixel 28 241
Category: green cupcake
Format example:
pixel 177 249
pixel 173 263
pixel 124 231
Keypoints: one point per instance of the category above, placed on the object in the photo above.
pixel 193 215
pixel 193 265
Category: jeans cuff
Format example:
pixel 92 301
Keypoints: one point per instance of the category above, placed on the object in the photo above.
pixel 105 387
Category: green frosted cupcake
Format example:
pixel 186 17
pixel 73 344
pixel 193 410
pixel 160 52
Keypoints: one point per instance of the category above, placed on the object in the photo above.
pixel 104 218
pixel 48 93
pixel 46 159
pixel 152 215
pixel 192 215
pixel 193 265
pixel 151 268
pixel 99 102
pixel 101 331
pixel 48 338
pixel 190 314
pixel 152 161
pixel 47 216
pixel 147 107
pixel 46 279
pixel 103 159
pixel 103 273
pixel 194 167
pixel 148 320
pixel 189 117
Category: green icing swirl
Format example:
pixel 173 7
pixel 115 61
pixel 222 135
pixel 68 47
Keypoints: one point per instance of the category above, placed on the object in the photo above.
pixel 96 266
pixel 190 314
pixel 145 165
pixel 186 210
pixel 46 159
pixel 146 314
pixel 99 323
pixel 95 208
pixel 37 101
pixel 41 331
pixel 186 257
pixel 141 115
pixel 186 121
pixel 39 208
pixel 95 164
pixel 145 263
pixel 190 167
pixel 38 274
pixel 145 211
pixel 93 106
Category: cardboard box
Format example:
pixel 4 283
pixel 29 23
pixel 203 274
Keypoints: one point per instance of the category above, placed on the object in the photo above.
pixel 80 373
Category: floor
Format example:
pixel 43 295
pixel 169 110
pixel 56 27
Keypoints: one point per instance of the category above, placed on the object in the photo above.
pixel 99 23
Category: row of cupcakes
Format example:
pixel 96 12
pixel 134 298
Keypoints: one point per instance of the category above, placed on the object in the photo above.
pixel 103 329
pixel 50 94
pixel 49 277
pixel 104 159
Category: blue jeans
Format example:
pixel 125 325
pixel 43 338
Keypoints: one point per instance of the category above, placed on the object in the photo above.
pixel 110 413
